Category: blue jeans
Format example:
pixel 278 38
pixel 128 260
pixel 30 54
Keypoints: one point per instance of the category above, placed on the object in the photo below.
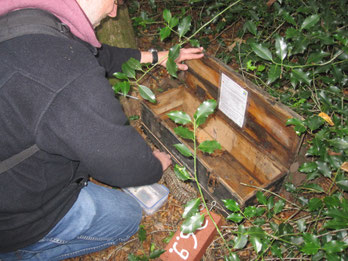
pixel 101 217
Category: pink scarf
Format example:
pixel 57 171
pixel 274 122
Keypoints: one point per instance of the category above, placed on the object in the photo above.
pixel 68 11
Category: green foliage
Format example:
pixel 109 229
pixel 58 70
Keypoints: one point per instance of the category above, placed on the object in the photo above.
pixel 153 252
pixel 298 52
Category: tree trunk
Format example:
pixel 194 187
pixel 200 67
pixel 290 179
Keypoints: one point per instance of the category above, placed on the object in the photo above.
pixel 117 31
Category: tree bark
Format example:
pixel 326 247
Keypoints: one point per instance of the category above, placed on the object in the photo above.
pixel 118 31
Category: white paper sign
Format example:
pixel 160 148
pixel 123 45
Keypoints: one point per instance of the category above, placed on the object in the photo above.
pixel 233 100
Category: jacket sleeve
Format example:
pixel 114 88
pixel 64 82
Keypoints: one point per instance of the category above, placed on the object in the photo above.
pixel 85 123
pixel 112 58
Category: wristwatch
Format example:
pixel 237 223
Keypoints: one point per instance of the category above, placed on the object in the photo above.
pixel 154 55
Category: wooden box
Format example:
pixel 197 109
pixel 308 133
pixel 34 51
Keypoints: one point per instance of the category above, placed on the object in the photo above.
pixel 259 152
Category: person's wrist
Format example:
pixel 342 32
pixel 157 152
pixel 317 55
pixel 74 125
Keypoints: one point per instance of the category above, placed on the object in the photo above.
pixel 154 53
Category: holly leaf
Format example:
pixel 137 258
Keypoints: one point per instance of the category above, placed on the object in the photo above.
pixel 184 132
pixel 281 48
pixel 181 172
pixel 167 15
pixel 257 244
pixel 183 149
pixel 204 110
pixel 314 122
pixel 300 76
pixel 313 188
pixel 261 198
pixel 130 72
pixel 179 117
pixel 310 21
pixel 156 253
pixel 147 93
pixel 311 245
pixel 164 33
pixel 335 246
pixel 262 51
pixel 231 205
pixel 235 217
pixel 209 146
pixel 142 233
pixel 314 204
pixel 250 25
pixel 278 206
pixel 308 167
pixel 184 26
pixel 120 75
pixel 192 223
pixel 273 73
pixel 240 242
pixel 191 208
pixel 134 64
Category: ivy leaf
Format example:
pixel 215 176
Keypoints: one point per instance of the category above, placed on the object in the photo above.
pixel 231 205
pixel 156 253
pixel 250 25
pixel 261 198
pixel 310 21
pixel 167 15
pixel 183 150
pixel 120 75
pixel 179 117
pixel 184 132
pixel 240 242
pixel 314 204
pixel 278 206
pixel 312 244
pixel 257 244
pixel 273 73
pixel 181 172
pixel 191 208
pixel 300 76
pixel 209 146
pixel 184 26
pixel 262 51
pixel 335 246
pixel 235 217
pixel 134 64
pixel 281 48
pixel 204 110
pixel 191 224
pixel 164 33
pixel 308 167
pixel 147 93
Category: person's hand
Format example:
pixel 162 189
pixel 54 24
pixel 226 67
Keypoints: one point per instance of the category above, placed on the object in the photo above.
pixel 164 158
pixel 185 55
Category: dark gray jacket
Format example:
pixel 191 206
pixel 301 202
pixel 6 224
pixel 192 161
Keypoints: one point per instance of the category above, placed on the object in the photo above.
pixel 53 92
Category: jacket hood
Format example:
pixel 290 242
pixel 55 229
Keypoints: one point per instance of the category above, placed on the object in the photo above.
pixel 68 11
